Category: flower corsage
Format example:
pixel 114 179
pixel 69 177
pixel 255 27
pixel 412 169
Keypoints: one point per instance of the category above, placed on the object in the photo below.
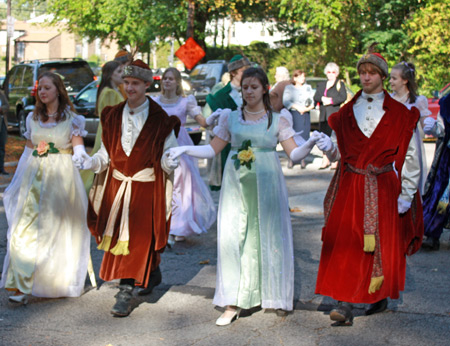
pixel 44 148
pixel 245 155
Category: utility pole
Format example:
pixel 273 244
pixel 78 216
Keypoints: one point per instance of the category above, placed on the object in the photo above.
pixel 9 23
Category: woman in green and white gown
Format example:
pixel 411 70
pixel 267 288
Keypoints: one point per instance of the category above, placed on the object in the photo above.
pixel 255 265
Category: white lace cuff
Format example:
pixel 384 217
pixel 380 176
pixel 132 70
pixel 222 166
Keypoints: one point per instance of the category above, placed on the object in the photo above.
pixel 285 130
pixel 78 125
pixel 221 130
pixel 192 108
pixel 27 133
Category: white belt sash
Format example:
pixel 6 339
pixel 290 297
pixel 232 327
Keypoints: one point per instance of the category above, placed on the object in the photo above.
pixel 121 248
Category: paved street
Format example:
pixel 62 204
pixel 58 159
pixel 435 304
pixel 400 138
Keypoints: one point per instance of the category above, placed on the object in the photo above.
pixel 180 310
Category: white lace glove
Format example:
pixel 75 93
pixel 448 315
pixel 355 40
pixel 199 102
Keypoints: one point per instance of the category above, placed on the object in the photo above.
pixel 80 158
pixel 403 206
pixel 199 151
pixel 212 118
pixel 300 152
pixel 324 143
pixel 168 163
pixel 428 126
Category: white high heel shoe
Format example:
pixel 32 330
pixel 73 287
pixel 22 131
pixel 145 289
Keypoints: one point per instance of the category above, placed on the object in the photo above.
pixel 20 299
pixel 224 321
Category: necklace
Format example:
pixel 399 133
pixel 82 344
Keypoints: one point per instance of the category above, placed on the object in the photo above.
pixel 52 115
pixel 254 113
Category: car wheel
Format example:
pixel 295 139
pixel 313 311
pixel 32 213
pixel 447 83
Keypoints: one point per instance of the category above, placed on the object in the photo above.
pixel 196 137
pixel 22 122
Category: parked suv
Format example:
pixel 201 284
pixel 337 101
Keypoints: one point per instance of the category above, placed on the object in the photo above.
pixel 20 84
pixel 204 76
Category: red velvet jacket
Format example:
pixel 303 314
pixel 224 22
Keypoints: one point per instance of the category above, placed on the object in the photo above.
pixel 149 229
pixel 345 269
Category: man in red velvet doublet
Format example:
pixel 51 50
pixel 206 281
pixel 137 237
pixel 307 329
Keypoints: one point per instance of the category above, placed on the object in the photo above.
pixel 364 238
pixel 132 221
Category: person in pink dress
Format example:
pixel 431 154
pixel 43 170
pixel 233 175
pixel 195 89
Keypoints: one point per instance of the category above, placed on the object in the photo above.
pixel 193 209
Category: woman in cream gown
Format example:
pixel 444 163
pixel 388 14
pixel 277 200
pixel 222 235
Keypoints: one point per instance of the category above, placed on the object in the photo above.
pixel 45 204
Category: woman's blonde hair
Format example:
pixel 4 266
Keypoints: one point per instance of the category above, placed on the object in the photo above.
pixel 178 80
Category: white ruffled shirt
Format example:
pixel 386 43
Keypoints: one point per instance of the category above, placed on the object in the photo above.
pixel 132 125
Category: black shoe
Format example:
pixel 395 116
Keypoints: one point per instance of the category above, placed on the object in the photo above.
pixel 377 307
pixel 122 308
pixel 3 172
pixel 431 244
pixel 154 280
pixel 282 313
pixel 342 314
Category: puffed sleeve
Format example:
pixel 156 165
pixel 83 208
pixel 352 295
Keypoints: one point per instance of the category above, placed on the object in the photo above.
pixel 192 108
pixel 288 96
pixel 285 130
pixel 221 130
pixel 27 133
pixel 422 105
pixel 78 126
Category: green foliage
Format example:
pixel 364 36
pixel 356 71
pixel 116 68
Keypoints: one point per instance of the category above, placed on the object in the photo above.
pixel 430 45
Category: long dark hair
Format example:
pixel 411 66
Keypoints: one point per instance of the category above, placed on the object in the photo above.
pixel 258 73
pixel 40 109
pixel 107 72
pixel 408 73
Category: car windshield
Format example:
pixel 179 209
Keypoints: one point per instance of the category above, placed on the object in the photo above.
pixel 75 75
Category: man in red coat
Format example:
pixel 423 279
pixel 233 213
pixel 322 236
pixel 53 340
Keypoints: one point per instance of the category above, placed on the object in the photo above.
pixel 364 241
pixel 132 222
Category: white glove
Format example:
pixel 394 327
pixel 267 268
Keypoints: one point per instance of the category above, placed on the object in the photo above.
pixel 324 143
pixel 212 118
pixel 168 163
pixel 403 206
pixel 80 158
pixel 300 152
pixel 315 136
pixel 199 151
pixel 429 123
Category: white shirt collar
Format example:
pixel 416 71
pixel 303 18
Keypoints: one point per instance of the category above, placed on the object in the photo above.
pixel 136 110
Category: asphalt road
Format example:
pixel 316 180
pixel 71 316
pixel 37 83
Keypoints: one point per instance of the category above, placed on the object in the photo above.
pixel 180 310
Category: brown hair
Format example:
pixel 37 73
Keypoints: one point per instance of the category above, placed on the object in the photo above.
pixel 297 73
pixel 408 73
pixel 373 66
pixel 178 79
pixel 40 109
pixel 259 74
pixel 107 72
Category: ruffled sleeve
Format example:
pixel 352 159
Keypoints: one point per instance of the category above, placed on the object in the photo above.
pixel 221 130
pixel 78 126
pixel 27 133
pixel 192 108
pixel 422 105
pixel 285 130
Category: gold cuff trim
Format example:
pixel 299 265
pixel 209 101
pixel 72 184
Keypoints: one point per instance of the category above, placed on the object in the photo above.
pixel 121 248
pixel 105 244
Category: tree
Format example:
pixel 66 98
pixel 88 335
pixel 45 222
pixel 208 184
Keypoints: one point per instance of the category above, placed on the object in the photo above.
pixel 430 44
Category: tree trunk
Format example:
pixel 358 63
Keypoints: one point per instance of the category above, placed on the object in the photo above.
pixel 191 19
